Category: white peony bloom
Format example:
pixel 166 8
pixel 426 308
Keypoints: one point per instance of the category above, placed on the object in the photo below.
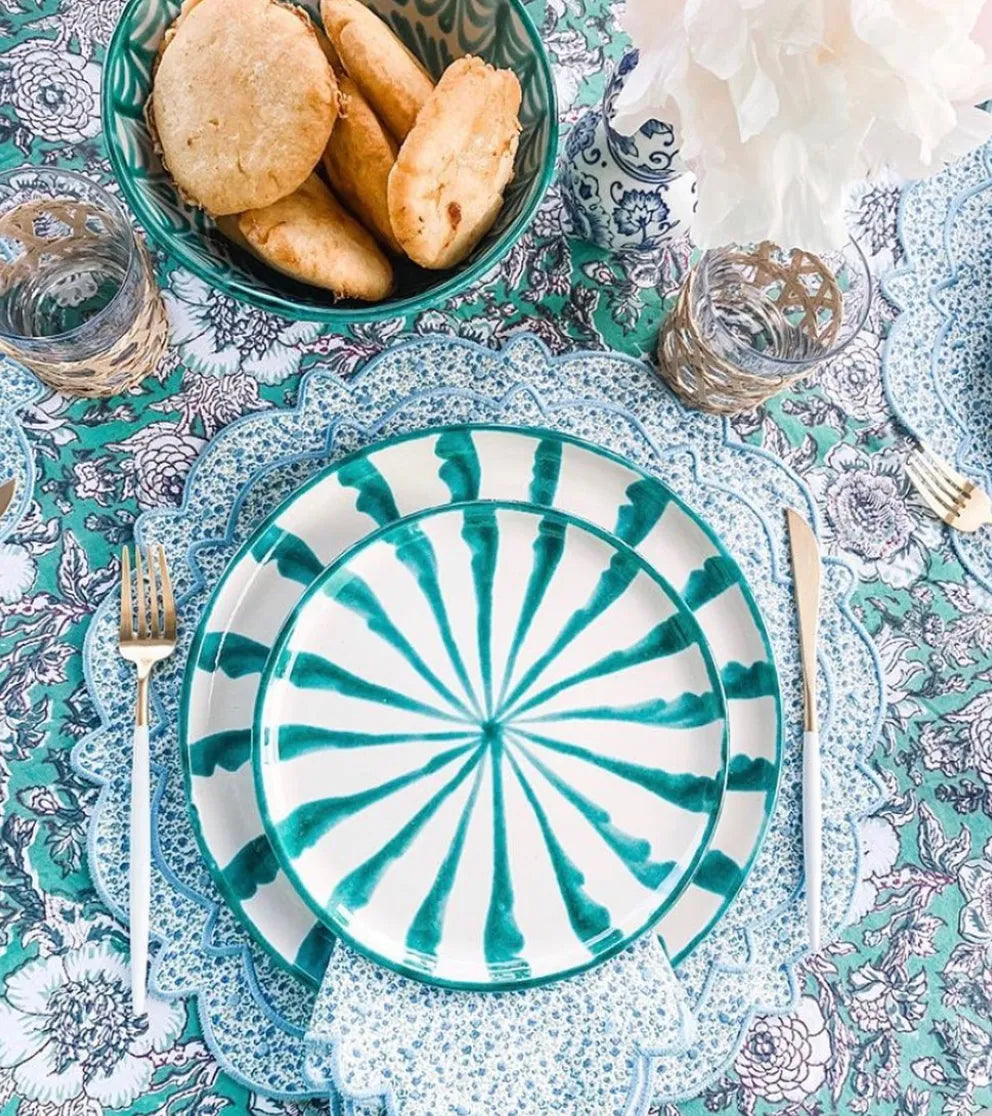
pixel 780 105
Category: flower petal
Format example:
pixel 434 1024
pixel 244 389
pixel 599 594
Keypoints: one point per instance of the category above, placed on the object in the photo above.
pixel 128 1080
pixel 21 1036
pixel 39 1079
pixel 165 1024
pixel 30 987
pixel 98 959
pixel 880 845
pixel 300 333
pixel 273 366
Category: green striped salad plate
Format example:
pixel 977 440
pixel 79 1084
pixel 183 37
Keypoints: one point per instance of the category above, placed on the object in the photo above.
pixel 490 745
pixel 403 476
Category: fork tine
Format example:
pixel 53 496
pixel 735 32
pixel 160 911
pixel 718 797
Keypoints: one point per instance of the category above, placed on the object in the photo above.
pixel 142 613
pixel 933 500
pixel 127 623
pixel 938 480
pixel 156 623
pixel 942 468
pixel 168 600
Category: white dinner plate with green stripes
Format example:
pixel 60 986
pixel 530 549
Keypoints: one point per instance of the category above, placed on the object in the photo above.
pixel 490 745
pixel 403 476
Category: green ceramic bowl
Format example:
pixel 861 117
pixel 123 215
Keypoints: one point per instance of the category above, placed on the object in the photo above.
pixel 438 31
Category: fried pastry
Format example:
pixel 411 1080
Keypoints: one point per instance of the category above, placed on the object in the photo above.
pixel 310 236
pixel 243 103
pixel 358 158
pixel 446 187
pixel 390 78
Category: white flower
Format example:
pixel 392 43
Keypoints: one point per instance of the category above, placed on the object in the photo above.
pixel 784 1057
pixel 976 717
pixel 17 571
pixel 870 521
pixel 782 104
pixel 162 455
pixel 853 380
pixel 54 93
pixel 91 22
pixel 217 335
pixel 67 1032
pixel 975 880
pixel 879 848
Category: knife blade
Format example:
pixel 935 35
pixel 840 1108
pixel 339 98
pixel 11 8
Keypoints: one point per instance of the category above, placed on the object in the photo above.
pixel 6 494
pixel 805 552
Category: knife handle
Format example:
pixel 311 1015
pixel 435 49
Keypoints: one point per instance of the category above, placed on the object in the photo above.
pixel 812 833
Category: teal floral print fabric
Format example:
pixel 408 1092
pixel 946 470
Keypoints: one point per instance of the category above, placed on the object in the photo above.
pixel 892 1019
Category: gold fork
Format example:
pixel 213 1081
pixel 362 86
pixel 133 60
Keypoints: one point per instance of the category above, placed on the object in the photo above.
pixel 959 502
pixel 152 640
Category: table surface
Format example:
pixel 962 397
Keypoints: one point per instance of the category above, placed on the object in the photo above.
pixel 894 1018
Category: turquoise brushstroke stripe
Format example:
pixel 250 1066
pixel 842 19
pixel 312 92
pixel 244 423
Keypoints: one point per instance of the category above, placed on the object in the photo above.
pixel 228 750
pixel 634 853
pixel 413 548
pixel 718 574
pixel 719 874
pixel 356 889
pixel 746 682
pixel 252 866
pixel 305 825
pixel 747 774
pixel 315 950
pixel 355 594
pixel 293 558
pixel 502 941
pixel 302 740
pixel 647 504
pixel 308 671
pixel 667 638
pixel 461 471
pixel 685 711
pixel 591 922
pixel 235 655
pixel 546 472
pixel 428 923
pixel 696 793
pixel 374 494
pixel 548 549
pixel 481 535
pixel 612 584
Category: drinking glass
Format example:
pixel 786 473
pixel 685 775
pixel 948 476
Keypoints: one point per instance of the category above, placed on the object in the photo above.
pixel 751 320
pixel 78 300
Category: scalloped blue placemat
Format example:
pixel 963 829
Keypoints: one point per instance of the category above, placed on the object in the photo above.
pixel 254 1016
pixel 937 364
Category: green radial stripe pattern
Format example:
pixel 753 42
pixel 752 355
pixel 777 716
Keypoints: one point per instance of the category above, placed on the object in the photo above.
pixel 371 490
pixel 590 769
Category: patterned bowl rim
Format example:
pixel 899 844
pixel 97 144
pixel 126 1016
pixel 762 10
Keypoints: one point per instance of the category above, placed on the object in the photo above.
pixel 286 307
pixel 341 932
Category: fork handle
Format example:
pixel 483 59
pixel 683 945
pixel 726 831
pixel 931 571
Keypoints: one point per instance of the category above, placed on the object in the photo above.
pixel 139 897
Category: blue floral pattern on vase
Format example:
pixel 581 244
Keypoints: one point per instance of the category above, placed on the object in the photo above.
pixel 628 194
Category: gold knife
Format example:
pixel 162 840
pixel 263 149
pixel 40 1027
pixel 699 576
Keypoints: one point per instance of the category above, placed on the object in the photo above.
pixel 806 581
pixel 6 494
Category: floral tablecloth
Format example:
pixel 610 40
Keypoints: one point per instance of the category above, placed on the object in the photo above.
pixel 892 1019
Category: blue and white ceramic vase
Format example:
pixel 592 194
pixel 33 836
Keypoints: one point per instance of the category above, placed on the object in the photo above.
pixel 628 194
